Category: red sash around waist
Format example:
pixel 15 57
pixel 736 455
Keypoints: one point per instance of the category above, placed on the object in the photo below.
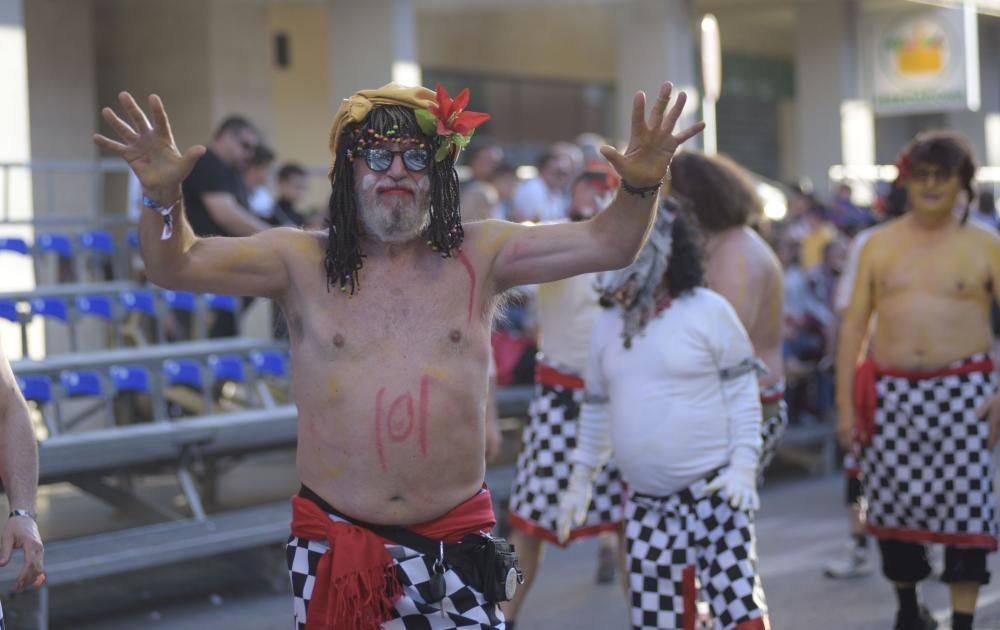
pixel 548 375
pixel 354 587
pixel 866 396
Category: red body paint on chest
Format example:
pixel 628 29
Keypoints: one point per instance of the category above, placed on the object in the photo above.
pixel 472 282
pixel 399 420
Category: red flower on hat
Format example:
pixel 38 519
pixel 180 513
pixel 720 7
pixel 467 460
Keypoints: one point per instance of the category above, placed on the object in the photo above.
pixel 452 116
pixel 448 119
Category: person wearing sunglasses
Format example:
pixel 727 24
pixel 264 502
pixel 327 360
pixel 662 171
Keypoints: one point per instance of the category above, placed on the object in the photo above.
pixel 389 311
pixel 921 411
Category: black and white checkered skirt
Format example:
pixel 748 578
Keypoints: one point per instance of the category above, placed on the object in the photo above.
pixel 462 606
pixel 675 541
pixel 775 422
pixel 927 473
pixel 543 470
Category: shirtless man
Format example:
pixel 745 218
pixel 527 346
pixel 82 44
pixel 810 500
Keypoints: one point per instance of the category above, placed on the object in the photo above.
pixel 389 317
pixel 923 407
pixel 742 268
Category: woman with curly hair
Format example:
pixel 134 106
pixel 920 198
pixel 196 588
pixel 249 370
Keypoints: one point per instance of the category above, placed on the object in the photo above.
pixel 672 389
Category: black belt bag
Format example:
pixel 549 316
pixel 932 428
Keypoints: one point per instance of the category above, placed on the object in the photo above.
pixel 486 563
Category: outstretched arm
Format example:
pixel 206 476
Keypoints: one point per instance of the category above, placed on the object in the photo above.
pixel 243 266
pixel 611 240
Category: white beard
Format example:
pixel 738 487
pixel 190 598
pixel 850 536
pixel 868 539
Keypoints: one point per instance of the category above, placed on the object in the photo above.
pixel 395 219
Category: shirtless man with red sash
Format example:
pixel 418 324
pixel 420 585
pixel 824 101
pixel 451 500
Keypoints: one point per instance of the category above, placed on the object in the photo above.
pixel 389 313
pixel 922 411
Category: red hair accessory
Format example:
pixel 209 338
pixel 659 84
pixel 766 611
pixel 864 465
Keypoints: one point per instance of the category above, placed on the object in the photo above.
pixel 448 120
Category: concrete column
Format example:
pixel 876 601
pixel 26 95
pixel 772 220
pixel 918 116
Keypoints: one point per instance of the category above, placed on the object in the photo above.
pixel 371 43
pixel 62 59
pixel 655 43
pixel 825 75
pixel 240 57
pixel 15 147
pixel 973 124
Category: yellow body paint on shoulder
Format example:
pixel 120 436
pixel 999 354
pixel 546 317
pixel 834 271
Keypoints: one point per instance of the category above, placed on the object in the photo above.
pixel 494 234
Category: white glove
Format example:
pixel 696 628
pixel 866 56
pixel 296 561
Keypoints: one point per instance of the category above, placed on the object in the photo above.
pixel 575 501
pixel 739 485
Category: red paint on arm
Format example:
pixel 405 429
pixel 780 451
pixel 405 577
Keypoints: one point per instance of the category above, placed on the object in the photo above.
pixel 378 427
pixel 472 283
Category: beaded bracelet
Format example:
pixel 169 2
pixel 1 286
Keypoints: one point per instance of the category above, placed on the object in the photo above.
pixel 165 212
pixel 642 191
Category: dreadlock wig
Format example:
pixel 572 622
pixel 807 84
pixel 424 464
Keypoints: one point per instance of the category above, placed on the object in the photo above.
pixel 385 124
pixel 949 151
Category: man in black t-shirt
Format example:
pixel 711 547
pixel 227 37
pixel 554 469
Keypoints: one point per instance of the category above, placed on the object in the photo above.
pixel 214 195
pixel 215 198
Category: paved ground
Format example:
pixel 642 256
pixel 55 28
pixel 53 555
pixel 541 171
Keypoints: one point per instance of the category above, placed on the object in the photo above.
pixel 800 526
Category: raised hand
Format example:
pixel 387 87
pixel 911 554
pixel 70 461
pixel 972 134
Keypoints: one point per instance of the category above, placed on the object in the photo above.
pixel 653 143
pixel 149 149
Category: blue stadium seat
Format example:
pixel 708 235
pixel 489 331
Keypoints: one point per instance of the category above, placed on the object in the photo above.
pixel 221 302
pixel 227 368
pixel 138 300
pixel 180 300
pixel 132 239
pixel 98 241
pixel 56 243
pixel 269 363
pixel 8 310
pixel 183 372
pixel 37 389
pixel 12 244
pixel 95 306
pixel 130 378
pixel 81 382
pixel 53 307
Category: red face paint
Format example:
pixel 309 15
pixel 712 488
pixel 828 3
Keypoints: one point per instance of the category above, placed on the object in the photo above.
pixel 472 282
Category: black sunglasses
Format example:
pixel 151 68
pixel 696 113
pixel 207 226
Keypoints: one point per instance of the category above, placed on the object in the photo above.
pixel 380 160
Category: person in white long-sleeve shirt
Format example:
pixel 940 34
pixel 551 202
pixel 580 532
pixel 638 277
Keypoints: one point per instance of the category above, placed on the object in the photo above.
pixel 672 389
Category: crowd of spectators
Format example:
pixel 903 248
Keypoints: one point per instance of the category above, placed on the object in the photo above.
pixel 812 241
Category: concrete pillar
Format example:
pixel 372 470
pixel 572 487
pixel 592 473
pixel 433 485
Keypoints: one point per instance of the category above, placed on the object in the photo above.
pixel 825 75
pixel 62 57
pixel 15 147
pixel 146 46
pixel 240 60
pixel 371 43
pixel 655 43
pixel 973 124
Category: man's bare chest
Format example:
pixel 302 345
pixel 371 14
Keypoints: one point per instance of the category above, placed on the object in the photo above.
pixel 945 273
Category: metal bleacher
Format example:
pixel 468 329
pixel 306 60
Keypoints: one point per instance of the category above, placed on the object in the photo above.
pixel 109 415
